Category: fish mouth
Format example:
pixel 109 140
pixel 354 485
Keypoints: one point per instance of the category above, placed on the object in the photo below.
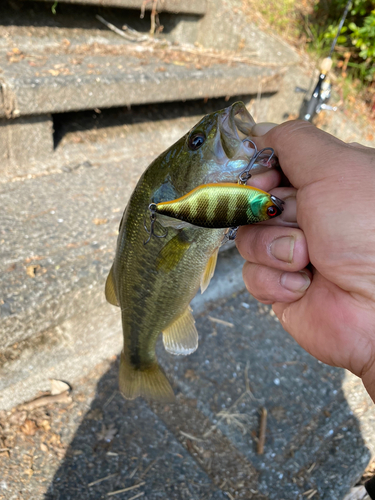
pixel 235 125
pixel 235 146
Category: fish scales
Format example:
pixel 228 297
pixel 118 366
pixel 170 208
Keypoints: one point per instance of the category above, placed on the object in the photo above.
pixel 153 284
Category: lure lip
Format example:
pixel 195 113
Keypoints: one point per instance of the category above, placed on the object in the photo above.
pixel 279 203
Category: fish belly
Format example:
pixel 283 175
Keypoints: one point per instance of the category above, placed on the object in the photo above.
pixel 154 288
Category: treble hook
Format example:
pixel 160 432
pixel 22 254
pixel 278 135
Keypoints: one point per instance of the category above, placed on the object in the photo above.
pixel 152 208
pixel 232 233
pixel 267 149
pixel 245 174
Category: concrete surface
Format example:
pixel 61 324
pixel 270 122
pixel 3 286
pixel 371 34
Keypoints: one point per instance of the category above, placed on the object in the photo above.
pixel 319 434
pixel 25 139
pixel 124 76
pixel 176 6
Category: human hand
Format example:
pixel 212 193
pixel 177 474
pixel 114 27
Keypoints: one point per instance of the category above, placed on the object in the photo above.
pixel 329 220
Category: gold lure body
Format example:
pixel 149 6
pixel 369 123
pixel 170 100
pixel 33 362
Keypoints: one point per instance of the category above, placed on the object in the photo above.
pixel 221 205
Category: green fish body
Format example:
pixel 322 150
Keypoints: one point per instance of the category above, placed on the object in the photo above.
pixel 153 284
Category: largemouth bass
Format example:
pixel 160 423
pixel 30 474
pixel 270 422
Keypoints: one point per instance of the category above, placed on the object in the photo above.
pixel 153 284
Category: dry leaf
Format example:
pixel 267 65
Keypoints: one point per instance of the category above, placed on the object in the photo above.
pixel 107 433
pixel 99 222
pixel 30 271
pixel 29 427
pixel 58 386
pixel 45 425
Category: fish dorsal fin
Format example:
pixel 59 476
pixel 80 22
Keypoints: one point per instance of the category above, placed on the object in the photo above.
pixel 149 383
pixel 110 293
pixel 181 337
pixel 172 253
pixel 209 271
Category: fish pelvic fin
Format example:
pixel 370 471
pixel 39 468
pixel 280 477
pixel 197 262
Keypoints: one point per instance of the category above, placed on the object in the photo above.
pixel 172 253
pixel 110 293
pixel 181 337
pixel 150 383
pixel 209 270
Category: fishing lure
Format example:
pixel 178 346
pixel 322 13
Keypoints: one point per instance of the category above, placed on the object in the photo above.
pixel 220 205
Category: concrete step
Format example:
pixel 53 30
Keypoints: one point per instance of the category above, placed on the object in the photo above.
pixel 102 75
pixel 71 61
pixel 197 7
pixel 55 71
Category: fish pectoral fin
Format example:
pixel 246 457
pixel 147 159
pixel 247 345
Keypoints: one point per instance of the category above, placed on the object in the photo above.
pixel 171 254
pixel 166 221
pixel 209 271
pixel 149 383
pixel 110 293
pixel 181 338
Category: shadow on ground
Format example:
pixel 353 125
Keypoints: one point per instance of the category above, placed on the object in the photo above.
pixel 207 442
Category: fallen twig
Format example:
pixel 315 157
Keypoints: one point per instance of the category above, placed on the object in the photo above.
pixel 153 17
pixel 128 489
pixel 137 496
pixel 102 479
pixel 46 400
pixel 221 321
pixel 189 436
pixel 149 467
pixel 262 432
pixel 122 33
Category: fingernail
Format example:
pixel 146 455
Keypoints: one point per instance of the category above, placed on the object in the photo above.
pixel 295 282
pixel 282 248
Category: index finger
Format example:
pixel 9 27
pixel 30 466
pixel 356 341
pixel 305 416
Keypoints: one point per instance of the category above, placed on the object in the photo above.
pixel 307 154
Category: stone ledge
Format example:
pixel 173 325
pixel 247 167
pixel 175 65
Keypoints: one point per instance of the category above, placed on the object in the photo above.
pixel 197 7
pixel 108 76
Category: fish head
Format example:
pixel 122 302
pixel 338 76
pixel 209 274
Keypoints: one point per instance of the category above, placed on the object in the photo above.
pixel 217 145
pixel 216 149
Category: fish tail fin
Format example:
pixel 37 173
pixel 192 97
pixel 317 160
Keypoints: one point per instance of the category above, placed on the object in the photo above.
pixel 151 383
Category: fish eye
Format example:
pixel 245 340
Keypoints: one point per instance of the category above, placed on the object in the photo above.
pixel 272 211
pixel 196 141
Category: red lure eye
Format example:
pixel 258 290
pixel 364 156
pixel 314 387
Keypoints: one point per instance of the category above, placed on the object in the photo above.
pixel 272 211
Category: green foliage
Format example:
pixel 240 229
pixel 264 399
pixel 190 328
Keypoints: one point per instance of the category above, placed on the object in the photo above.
pixel 357 35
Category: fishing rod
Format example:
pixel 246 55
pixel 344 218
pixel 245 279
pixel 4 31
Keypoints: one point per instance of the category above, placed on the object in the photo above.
pixel 322 91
